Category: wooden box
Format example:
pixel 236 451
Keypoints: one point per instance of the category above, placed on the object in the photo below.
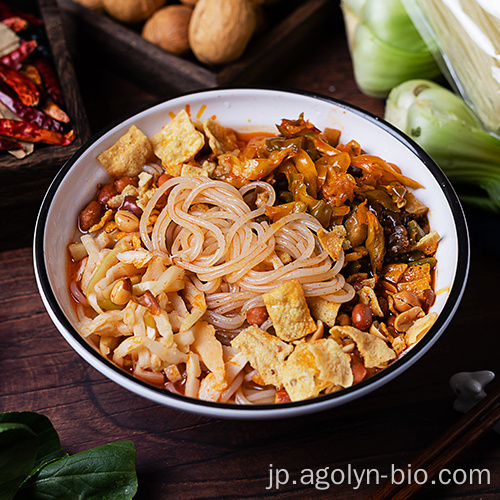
pixel 26 180
pixel 290 31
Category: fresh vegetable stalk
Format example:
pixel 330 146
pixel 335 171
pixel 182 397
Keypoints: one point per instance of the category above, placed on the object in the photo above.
pixel 448 130
pixel 385 46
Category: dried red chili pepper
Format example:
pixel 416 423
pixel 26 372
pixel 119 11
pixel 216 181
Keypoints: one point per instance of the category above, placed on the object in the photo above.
pixel 32 73
pixel 6 12
pixel 27 113
pixel 15 58
pixel 49 107
pixel 6 144
pixel 24 131
pixel 49 79
pixel 16 23
pixel 23 86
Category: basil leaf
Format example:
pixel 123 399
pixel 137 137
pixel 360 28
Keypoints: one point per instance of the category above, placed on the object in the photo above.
pixel 18 448
pixel 49 446
pixel 103 473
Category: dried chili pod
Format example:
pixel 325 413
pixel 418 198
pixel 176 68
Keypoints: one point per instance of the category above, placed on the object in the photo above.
pixel 15 23
pixel 27 113
pixel 6 144
pixel 24 131
pixel 23 86
pixel 32 73
pixel 49 79
pixel 15 58
pixel 49 107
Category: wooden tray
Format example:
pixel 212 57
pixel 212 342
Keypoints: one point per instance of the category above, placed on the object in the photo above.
pixel 27 180
pixel 158 71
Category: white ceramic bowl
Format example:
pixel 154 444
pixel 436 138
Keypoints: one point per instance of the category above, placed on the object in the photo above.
pixel 249 110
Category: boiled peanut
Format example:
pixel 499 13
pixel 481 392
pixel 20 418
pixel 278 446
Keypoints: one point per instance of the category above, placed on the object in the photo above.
pixel 107 192
pixel 127 221
pixel 121 292
pixel 163 178
pixel 403 321
pixel 257 315
pixel 358 369
pixel 90 215
pixel 343 320
pixel 362 316
pixel 405 300
pixel 147 299
pixel 123 182
pixel 429 298
pixel 130 205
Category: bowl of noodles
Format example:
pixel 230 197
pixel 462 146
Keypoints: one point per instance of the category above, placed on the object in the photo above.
pixel 251 253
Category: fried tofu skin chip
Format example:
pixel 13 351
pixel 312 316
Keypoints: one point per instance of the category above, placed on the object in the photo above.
pixel 314 366
pixel 331 241
pixel 324 310
pixel 375 351
pixel 177 142
pixel 220 139
pixel 265 353
pixel 128 154
pixel 288 310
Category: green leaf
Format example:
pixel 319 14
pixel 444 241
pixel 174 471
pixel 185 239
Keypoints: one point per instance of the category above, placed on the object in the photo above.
pixel 18 448
pixel 49 446
pixel 103 473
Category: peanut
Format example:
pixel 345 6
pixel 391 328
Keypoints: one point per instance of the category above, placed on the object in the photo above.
pixel 343 320
pixel 121 184
pixel 429 298
pixel 126 221
pixel 163 178
pixel 121 292
pixel 362 316
pixel 130 205
pixel 147 299
pixel 90 215
pixel 405 300
pixel 106 193
pixel 404 320
pixel 257 315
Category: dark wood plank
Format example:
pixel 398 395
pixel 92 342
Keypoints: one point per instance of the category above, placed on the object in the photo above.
pixel 156 70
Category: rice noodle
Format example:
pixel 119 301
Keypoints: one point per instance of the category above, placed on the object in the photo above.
pixel 226 244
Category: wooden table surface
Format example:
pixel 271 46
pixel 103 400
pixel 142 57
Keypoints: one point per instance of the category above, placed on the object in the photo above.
pixel 180 455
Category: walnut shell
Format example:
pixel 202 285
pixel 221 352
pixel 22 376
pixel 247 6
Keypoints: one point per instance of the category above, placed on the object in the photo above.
pixel 168 28
pixel 132 11
pixel 220 30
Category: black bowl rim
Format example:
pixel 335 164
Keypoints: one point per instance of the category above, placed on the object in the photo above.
pixel 377 380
